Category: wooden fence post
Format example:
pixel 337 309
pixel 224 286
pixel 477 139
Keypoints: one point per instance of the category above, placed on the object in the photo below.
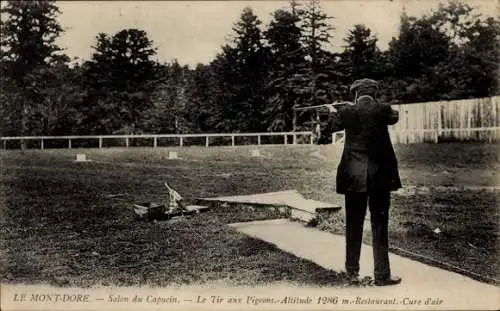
pixel 100 142
pixel 232 140
pixel 181 141
pixel 206 141
pixel 41 144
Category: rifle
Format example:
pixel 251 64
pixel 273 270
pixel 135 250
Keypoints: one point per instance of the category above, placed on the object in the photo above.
pixel 328 108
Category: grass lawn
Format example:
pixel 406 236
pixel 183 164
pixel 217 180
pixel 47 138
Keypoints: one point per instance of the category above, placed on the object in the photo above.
pixel 69 223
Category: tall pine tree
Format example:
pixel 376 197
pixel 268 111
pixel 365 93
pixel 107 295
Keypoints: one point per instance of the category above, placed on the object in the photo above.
pixel 121 78
pixel 314 80
pixel 244 67
pixel 287 57
pixel 28 39
pixel 362 54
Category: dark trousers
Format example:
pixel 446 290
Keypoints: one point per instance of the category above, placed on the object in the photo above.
pixel 379 204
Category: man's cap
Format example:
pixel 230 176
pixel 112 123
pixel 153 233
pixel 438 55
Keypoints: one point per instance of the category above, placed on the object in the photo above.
pixel 363 83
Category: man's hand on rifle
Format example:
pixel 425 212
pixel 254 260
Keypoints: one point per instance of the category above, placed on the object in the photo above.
pixel 331 108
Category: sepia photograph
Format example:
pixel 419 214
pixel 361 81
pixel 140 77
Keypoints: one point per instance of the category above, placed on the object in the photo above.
pixel 250 155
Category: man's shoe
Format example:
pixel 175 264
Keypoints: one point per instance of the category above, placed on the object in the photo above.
pixel 393 280
pixel 354 279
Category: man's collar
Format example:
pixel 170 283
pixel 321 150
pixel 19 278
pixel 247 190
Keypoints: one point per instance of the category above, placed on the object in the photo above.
pixel 365 99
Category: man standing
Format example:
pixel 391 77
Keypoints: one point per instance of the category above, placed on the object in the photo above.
pixel 367 173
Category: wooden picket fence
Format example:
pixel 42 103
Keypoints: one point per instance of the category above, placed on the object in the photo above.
pixel 462 120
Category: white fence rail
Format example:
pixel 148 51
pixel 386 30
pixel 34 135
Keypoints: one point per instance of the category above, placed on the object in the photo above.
pixel 305 137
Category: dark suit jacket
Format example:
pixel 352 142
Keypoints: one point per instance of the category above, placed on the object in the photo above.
pixel 368 161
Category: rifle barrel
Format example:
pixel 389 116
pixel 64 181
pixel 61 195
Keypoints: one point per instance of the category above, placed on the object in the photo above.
pixel 322 106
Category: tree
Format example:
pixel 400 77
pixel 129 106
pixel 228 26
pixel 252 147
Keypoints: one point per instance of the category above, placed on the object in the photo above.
pixel 316 32
pixel 451 53
pixel 314 81
pixel 474 45
pixel 483 57
pixel 287 57
pixel 28 41
pixel 225 74
pixel 11 107
pixel 241 70
pixel 121 77
pixel 203 99
pixel 362 54
pixel 454 19
pixel 284 38
pixel 29 35
pixel 420 46
pixel 59 96
pixel 412 59
pixel 171 110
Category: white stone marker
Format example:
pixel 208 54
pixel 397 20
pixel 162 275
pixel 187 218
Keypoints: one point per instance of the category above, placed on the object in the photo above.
pixel 81 157
pixel 172 155
pixel 255 153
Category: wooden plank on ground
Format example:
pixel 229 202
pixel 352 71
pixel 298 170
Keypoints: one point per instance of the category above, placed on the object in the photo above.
pixel 290 198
